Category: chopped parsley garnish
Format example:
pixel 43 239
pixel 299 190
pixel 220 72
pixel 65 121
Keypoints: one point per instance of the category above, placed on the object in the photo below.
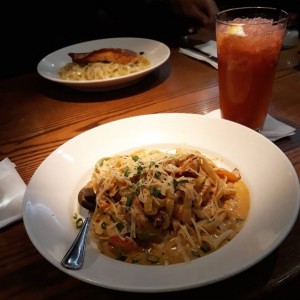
pixel 176 182
pixel 153 259
pixel 155 191
pixel 139 169
pixel 129 200
pixel 195 253
pixel 205 248
pixel 135 158
pixel 79 223
pixel 120 226
pixel 121 257
pixel 157 174
pixel 126 172
pixel 138 190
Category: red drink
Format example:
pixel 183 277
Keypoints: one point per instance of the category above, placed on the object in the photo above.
pixel 248 52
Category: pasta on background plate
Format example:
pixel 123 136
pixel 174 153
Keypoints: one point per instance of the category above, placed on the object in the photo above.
pixel 104 63
pixel 160 208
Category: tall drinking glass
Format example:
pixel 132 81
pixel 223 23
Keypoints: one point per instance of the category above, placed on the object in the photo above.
pixel 249 40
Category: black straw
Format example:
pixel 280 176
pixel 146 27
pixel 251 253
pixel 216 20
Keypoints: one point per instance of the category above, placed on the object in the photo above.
pixel 277 15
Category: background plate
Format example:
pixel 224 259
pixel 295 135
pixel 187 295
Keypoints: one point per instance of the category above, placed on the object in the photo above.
pixel 156 52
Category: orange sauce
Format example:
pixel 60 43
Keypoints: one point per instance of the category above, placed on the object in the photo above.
pixel 167 252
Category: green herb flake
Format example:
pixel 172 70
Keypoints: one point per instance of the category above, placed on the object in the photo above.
pixel 129 200
pixel 138 190
pixel 139 169
pixel 135 158
pixel 79 223
pixel 176 182
pixel 126 172
pixel 157 174
pixel 120 226
pixel 183 181
pixel 121 257
pixel 101 161
pixel 103 225
pixel 195 253
pixel 205 248
pixel 153 259
pixel 155 191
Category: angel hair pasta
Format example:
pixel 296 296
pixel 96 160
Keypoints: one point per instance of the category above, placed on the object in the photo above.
pixel 164 208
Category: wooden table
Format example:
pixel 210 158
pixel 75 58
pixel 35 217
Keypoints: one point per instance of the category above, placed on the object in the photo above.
pixel 38 116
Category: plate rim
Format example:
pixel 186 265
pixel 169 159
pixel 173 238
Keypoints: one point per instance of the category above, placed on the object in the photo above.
pixel 185 286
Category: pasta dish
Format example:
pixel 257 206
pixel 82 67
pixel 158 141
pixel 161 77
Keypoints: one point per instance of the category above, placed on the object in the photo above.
pixel 103 64
pixel 155 207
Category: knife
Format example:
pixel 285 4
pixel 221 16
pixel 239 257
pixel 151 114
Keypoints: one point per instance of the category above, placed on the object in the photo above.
pixel 196 50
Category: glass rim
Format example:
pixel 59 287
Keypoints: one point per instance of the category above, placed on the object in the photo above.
pixel 281 19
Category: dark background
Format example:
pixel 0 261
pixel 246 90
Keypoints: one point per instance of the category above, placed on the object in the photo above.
pixel 30 32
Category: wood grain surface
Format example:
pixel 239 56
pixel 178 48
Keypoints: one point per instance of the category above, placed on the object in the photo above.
pixel 37 116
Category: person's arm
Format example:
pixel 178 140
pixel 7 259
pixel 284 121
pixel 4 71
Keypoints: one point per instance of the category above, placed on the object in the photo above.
pixel 159 18
pixel 202 10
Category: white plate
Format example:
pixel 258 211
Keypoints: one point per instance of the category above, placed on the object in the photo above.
pixel 51 197
pixel 156 52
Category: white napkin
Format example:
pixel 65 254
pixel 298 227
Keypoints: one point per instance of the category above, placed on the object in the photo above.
pixel 209 47
pixel 273 129
pixel 12 189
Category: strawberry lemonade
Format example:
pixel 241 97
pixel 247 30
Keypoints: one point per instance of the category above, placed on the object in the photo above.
pixel 248 51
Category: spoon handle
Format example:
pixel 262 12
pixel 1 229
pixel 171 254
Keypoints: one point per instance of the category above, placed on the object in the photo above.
pixel 74 257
